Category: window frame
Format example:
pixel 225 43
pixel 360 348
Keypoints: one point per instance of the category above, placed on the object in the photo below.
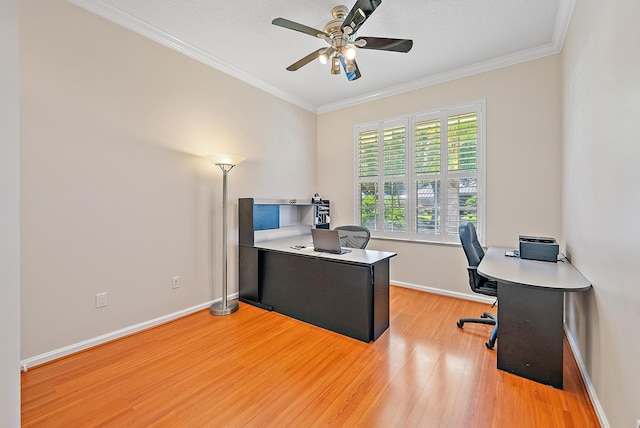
pixel 410 178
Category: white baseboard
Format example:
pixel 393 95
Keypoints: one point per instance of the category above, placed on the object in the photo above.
pixel 464 296
pixel 587 380
pixel 85 344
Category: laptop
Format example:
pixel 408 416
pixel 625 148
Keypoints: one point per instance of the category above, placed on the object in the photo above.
pixel 327 241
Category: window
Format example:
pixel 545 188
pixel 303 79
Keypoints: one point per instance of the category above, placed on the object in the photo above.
pixel 418 177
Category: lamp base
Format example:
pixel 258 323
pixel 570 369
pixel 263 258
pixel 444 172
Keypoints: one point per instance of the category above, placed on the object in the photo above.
pixel 219 309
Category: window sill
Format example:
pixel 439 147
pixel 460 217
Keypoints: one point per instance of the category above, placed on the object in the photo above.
pixel 416 241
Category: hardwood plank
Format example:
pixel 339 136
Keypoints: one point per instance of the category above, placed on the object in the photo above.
pixel 262 369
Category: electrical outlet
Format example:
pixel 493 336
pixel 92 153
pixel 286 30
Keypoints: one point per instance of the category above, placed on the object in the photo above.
pixel 101 300
pixel 175 282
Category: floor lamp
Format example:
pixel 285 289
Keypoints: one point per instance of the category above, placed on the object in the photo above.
pixel 226 163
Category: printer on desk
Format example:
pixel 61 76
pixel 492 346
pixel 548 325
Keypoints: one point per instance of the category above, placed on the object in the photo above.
pixel 538 248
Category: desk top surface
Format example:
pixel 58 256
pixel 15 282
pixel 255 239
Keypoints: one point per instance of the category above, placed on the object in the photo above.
pixel 561 275
pixel 355 256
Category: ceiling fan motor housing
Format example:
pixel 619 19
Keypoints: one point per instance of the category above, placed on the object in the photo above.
pixel 338 38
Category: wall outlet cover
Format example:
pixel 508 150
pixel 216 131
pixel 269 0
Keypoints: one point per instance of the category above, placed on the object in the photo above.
pixel 101 300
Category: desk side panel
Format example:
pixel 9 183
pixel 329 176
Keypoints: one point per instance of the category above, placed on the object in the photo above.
pixel 248 273
pixel 380 297
pixel 245 221
pixel 530 332
pixel 332 295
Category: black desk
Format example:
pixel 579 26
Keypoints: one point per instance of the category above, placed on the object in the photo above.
pixel 531 313
pixel 345 293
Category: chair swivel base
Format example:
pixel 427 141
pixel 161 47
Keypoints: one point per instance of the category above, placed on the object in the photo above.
pixel 488 319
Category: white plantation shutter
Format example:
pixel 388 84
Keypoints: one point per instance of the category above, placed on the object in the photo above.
pixel 427 163
pixel 394 151
pixel 462 167
pixel 462 131
pixel 368 154
pixel 382 177
pixel 420 185
pixel 368 205
pixel 368 172
pixel 428 218
pixel 427 146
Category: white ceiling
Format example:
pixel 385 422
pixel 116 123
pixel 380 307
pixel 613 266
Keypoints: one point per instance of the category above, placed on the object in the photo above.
pixel 452 38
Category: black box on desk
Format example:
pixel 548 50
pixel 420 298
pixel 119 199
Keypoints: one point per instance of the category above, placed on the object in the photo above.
pixel 538 248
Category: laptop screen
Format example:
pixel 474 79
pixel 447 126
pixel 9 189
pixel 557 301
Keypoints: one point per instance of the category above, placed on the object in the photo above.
pixel 327 241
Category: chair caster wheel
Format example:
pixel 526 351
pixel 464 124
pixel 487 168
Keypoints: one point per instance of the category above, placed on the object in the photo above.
pixel 460 324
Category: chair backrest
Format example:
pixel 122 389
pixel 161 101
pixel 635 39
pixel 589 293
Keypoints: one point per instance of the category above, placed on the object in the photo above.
pixel 474 253
pixel 469 240
pixel 352 236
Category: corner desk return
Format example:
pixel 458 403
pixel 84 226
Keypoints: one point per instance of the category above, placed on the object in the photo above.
pixel 531 313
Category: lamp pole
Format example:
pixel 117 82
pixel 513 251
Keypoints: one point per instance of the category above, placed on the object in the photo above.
pixel 225 307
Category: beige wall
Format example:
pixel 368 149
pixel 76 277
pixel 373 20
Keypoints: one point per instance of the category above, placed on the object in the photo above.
pixel 115 195
pixel 601 80
pixel 9 217
pixel 523 152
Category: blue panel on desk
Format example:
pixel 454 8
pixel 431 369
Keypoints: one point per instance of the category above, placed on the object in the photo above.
pixel 266 217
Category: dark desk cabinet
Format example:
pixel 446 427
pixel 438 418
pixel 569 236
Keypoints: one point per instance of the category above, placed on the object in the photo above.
pixel 348 293
pixel 349 299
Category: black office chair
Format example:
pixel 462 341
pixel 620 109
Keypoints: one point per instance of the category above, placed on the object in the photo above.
pixel 479 284
pixel 352 236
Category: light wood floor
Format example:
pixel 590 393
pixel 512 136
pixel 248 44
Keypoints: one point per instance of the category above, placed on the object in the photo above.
pixel 262 369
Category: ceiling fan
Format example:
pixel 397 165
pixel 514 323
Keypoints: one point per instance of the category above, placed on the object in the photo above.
pixel 340 34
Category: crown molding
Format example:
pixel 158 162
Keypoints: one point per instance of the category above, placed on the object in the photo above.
pixel 565 12
pixel 435 79
pixel 145 29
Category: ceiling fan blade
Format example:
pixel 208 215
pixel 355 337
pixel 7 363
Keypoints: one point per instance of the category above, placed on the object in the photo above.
pixel 353 74
pixel 359 13
pixel 285 23
pixel 306 60
pixel 384 44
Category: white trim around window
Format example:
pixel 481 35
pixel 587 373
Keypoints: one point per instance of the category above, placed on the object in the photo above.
pixel 417 177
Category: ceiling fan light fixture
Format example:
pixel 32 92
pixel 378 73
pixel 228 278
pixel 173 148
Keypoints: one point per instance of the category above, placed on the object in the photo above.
pixel 323 58
pixel 349 52
pixel 335 65
pixel 349 66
